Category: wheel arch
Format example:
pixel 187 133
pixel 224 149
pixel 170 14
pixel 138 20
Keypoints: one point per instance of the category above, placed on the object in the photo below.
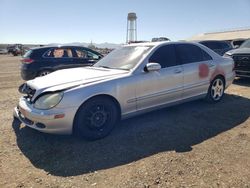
pixel 107 96
pixel 219 76
pixel 43 70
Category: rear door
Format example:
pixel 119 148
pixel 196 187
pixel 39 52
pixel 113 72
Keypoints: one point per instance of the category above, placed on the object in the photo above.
pixel 198 67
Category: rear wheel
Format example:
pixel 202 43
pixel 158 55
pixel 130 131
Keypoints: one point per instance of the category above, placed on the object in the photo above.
pixel 96 118
pixel 216 90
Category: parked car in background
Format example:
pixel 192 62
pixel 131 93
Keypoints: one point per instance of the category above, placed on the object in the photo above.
pixel 131 80
pixel 44 60
pixel 220 47
pixel 237 42
pixel 15 50
pixel 159 39
pixel 3 51
pixel 241 57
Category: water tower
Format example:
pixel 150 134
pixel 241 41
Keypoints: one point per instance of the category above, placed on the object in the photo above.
pixel 131 27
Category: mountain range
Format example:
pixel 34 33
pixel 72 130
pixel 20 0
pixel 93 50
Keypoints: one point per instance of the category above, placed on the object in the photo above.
pixel 98 45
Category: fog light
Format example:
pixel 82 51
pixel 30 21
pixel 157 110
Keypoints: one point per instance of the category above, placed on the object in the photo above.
pixel 40 125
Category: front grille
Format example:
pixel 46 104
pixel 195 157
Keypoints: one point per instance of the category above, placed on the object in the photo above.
pixel 242 62
pixel 26 89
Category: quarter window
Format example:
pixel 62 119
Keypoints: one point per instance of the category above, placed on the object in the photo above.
pixel 165 56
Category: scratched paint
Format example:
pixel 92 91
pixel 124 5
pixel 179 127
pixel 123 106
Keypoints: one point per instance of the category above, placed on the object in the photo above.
pixel 203 70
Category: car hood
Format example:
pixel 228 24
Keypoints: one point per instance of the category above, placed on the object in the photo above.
pixel 239 51
pixel 68 78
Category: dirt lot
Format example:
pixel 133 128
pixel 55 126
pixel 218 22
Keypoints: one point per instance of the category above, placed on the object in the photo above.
pixel 190 145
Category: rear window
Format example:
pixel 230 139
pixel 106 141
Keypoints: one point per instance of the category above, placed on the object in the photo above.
pixel 28 54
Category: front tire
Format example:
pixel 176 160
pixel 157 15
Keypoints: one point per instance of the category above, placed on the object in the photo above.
pixel 96 118
pixel 216 90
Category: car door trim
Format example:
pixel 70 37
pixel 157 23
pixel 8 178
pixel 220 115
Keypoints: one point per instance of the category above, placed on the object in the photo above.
pixel 159 94
pixel 191 86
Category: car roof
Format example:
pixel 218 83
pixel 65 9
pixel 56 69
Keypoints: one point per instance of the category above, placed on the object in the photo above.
pixel 63 46
pixel 161 43
pixel 58 46
pixel 213 41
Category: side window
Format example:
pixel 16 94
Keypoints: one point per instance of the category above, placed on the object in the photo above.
pixel 206 56
pixel 59 53
pixel 189 53
pixel 80 53
pixel 49 53
pixel 93 56
pixel 165 56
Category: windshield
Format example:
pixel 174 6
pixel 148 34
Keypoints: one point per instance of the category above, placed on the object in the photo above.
pixel 125 58
pixel 245 44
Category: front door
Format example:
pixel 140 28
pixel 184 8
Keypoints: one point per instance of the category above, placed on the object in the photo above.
pixel 160 87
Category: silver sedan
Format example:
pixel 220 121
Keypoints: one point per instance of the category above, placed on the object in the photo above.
pixel 131 80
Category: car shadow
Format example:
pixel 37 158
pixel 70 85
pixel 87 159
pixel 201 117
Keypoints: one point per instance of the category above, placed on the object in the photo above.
pixel 242 81
pixel 175 128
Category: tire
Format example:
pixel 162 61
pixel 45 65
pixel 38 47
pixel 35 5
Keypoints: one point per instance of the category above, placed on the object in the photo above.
pixel 44 73
pixel 96 118
pixel 216 90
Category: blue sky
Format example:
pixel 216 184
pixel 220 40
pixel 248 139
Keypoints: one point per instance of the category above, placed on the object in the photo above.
pixel 58 21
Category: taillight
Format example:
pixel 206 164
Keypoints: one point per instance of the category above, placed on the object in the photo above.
pixel 27 60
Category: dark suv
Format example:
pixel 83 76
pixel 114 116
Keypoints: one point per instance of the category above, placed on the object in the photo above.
pixel 44 60
pixel 241 57
pixel 220 47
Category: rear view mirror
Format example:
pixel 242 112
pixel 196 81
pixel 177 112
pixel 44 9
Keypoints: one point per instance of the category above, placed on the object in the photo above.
pixel 152 67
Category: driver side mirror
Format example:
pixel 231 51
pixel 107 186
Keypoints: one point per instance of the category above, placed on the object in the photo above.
pixel 152 67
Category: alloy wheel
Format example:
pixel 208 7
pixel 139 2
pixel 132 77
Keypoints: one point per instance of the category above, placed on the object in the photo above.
pixel 217 89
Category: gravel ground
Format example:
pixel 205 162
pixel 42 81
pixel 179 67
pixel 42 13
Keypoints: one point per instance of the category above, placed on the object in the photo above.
pixel 190 145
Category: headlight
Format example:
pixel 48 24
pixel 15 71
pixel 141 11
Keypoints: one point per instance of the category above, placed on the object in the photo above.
pixel 48 101
pixel 227 54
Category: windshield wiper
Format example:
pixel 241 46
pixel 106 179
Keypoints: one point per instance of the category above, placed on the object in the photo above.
pixel 105 67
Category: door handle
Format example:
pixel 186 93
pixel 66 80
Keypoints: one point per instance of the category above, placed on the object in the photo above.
pixel 177 71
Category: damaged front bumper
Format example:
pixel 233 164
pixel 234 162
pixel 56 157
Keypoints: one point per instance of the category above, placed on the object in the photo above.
pixel 56 121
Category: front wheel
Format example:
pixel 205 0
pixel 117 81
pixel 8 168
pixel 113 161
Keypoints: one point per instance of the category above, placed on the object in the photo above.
pixel 96 118
pixel 216 90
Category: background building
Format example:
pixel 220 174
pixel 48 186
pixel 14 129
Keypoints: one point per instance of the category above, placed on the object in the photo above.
pixel 223 35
